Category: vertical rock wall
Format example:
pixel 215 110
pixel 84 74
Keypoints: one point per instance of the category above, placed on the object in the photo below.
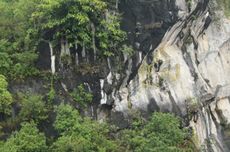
pixel 187 74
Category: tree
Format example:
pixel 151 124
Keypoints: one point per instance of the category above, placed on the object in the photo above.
pixel 15 24
pixel 81 96
pixel 66 118
pixel 80 134
pixel 16 64
pixel 28 139
pixel 32 108
pixel 17 45
pixel 81 22
pixel 5 97
pixel 161 133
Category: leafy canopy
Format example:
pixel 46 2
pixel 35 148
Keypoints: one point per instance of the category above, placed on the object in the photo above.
pixel 79 21
pixel 28 139
pixel 161 133
pixel 80 134
pixel 32 108
pixel 81 96
pixel 17 48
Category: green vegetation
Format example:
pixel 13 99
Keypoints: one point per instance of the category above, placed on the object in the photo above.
pixel 189 4
pixel 66 118
pixel 5 97
pixel 32 108
pixel 192 108
pixel 80 134
pixel 17 54
pixel 81 96
pixel 15 64
pixel 225 4
pixel 161 133
pixel 51 94
pixel 24 24
pixel 79 21
pixel 127 50
pixel 28 139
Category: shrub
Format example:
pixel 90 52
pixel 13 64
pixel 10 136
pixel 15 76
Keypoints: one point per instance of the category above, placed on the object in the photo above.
pixel 81 96
pixel 66 118
pixel 80 134
pixel 14 64
pixel 28 139
pixel 32 108
pixel 161 133
pixel 5 97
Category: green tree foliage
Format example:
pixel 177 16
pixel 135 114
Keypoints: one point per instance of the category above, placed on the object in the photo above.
pixel 28 139
pixel 16 65
pixel 225 6
pixel 80 134
pixel 81 96
pixel 5 97
pixel 66 118
pixel 32 108
pixel 127 50
pixel 161 133
pixel 16 47
pixel 23 23
pixel 80 20
pixel 51 94
pixel 15 15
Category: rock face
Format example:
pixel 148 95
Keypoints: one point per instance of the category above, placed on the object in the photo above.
pixel 181 65
pixel 187 73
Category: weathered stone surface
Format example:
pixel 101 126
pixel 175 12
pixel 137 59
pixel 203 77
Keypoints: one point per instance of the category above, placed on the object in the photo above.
pixel 190 64
pixel 181 65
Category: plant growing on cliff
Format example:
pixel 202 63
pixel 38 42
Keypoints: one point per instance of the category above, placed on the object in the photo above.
pixel 81 96
pixel 81 22
pixel 192 108
pixel 16 64
pixel 128 50
pixel 32 108
pixel 17 46
pixel 5 97
pixel 51 94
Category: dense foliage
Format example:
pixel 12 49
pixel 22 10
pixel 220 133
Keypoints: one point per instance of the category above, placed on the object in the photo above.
pixel 32 108
pixel 161 133
pixel 28 139
pixel 79 22
pixel 81 96
pixel 86 24
pixel 5 96
pixel 81 134
pixel 16 48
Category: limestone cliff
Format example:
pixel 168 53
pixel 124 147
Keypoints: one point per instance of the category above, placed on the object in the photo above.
pixel 186 72
pixel 181 65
